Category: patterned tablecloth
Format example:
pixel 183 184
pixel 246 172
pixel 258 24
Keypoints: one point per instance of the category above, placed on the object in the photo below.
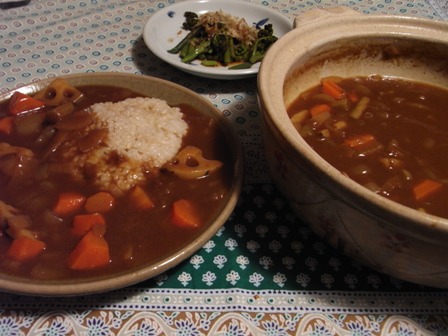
pixel 264 272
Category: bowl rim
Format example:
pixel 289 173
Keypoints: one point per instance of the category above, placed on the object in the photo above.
pixel 278 63
pixel 104 284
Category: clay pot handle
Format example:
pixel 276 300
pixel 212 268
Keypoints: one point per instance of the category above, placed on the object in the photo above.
pixel 320 13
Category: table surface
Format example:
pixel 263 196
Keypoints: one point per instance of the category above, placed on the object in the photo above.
pixel 264 272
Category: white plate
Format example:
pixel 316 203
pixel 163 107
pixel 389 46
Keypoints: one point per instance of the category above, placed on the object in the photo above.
pixel 164 30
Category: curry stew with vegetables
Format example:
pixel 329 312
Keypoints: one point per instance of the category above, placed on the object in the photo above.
pixel 388 134
pixel 55 227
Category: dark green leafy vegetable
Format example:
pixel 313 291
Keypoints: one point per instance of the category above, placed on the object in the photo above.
pixel 195 48
pixel 217 46
pixel 241 66
pixel 260 47
pixel 191 20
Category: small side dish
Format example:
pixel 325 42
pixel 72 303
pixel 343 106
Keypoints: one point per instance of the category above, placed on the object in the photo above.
pixel 97 181
pixel 220 39
pixel 388 134
pixel 164 31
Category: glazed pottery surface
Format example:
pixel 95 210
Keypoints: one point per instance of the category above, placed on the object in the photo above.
pixel 389 237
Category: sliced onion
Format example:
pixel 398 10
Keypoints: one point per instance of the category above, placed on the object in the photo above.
pixel 92 140
pixel 60 112
pixel 74 121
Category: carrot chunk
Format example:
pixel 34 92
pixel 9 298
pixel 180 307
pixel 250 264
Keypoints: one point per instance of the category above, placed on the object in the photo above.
pixel 353 96
pixel 100 202
pixel 425 189
pixel 21 102
pixel 184 214
pixel 68 202
pixel 91 252
pixel 320 108
pixel 25 248
pixel 84 223
pixel 6 125
pixel 320 113
pixel 141 198
pixel 332 89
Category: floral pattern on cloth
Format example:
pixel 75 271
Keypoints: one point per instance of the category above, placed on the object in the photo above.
pixel 197 323
pixel 264 272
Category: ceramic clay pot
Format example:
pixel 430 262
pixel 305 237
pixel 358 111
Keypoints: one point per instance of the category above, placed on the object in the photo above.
pixel 382 234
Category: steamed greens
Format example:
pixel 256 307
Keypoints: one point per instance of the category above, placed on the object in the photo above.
pixel 220 39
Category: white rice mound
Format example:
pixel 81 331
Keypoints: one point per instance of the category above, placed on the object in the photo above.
pixel 143 129
pixel 145 132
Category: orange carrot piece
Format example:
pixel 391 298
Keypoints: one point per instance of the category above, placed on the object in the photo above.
pixel 184 214
pixel 353 96
pixel 332 89
pixel 25 248
pixel 320 108
pixel 359 140
pixel 84 223
pixel 91 252
pixel 425 189
pixel 21 102
pixel 141 198
pixel 6 125
pixel 100 202
pixel 68 202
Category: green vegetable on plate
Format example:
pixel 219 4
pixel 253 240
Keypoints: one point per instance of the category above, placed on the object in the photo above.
pixel 219 39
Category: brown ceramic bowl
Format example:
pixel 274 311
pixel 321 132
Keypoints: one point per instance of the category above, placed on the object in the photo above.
pixel 385 235
pixel 174 94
